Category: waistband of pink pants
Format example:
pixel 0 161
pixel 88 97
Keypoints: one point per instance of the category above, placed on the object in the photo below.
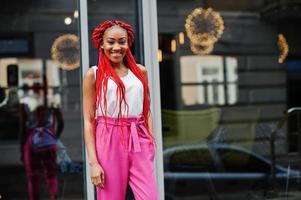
pixel 133 123
pixel 122 121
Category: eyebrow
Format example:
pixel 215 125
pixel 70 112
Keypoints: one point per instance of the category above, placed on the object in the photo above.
pixel 118 39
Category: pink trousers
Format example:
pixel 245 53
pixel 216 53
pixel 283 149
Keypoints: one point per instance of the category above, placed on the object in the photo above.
pixel 38 165
pixel 126 153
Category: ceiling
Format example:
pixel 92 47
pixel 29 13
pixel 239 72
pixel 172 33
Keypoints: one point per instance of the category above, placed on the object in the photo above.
pixel 272 10
pixel 235 5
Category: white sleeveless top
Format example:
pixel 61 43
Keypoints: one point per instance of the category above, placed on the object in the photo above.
pixel 133 96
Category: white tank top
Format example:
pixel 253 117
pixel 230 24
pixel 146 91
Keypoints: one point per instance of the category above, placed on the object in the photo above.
pixel 133 96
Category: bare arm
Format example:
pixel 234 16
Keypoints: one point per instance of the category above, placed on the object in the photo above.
pixel 150 124
pixel 149 120
pixel 97 175
pixel 88 111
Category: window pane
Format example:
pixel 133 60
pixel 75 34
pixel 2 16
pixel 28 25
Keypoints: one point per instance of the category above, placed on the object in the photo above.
pixel 236 161
pixel 194 160
pixel 206 79
pixel 40 84
pixel 232 79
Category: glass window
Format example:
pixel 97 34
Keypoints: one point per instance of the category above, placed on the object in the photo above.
pixel 193 160
pixel 230 75
pixel 212 78
pixel 40 101
pixel 237 161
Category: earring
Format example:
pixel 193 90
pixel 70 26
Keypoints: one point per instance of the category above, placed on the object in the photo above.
pixel 101 47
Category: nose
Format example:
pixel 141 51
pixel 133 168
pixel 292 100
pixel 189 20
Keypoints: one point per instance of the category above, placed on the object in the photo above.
pixel 116 47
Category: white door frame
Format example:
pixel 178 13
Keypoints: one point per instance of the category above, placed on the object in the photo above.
pixel 84 50
pixel 150 39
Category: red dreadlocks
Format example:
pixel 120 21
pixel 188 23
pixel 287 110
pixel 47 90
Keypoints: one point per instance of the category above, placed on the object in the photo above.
pixel 106 70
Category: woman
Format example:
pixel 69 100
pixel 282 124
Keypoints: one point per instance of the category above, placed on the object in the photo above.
pixel 117 121
pixel 41 162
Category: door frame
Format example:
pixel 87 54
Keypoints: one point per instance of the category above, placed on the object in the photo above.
pixel 150 40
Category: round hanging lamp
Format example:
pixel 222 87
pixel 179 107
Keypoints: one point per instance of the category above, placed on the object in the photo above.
pixel 204 26
pixel 283 48
pixel 201 49
pixel 65 51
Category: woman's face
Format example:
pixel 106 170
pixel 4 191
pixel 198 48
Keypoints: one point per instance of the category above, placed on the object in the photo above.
pixel 115 44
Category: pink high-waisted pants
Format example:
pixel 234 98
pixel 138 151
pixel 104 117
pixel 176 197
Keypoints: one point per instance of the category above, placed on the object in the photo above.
pixel 126 154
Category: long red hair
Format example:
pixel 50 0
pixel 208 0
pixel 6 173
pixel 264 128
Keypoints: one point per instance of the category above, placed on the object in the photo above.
pixel 106 71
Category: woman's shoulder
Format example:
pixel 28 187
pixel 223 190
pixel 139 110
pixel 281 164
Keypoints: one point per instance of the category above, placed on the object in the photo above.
pixel 89 77
pixel 142 68
pixel 90 73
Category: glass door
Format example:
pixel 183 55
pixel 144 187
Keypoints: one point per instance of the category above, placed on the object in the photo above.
pixel 40 88
pixel 229 76
pixel 98 12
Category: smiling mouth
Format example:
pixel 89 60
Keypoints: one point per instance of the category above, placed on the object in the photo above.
pixel 116 54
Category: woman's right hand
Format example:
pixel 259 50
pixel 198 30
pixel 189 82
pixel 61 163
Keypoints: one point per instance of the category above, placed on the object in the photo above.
pixel 97 175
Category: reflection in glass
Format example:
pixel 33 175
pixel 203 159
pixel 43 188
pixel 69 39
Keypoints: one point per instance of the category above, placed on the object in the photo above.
pixel 39 100
pixel 234 103
pixel 41 126
pixel 208 80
